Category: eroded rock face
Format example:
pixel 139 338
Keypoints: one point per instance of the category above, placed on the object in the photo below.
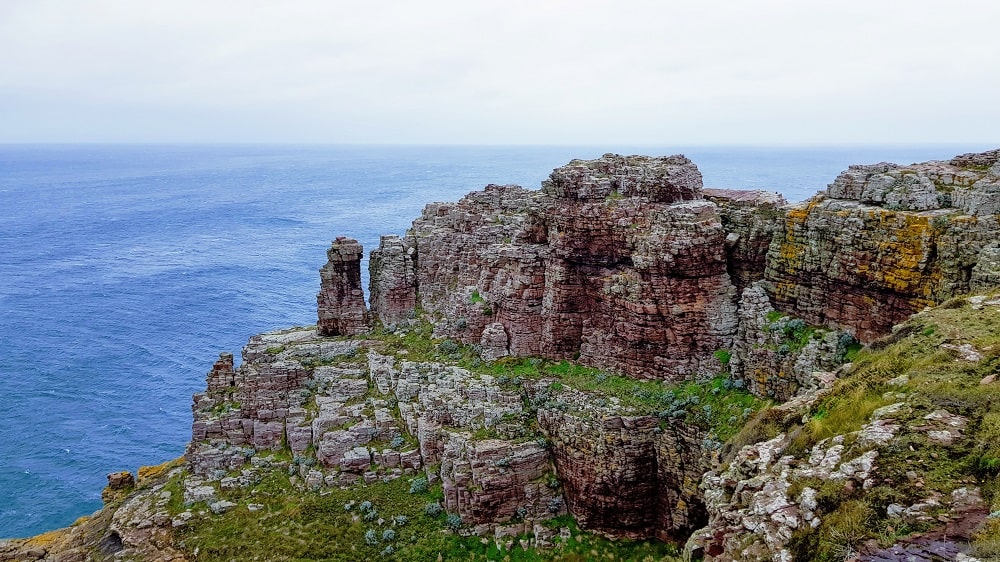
pixel 664 180
pixel 486 479
pixel 885 241
pixel 618 262
pixel 751 219
pixel 393 286
pixel 341 300
pixel 775 355
pixel 626 475
pixel 346 417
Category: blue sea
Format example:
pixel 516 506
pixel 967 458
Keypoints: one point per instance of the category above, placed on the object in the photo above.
pixel 125 270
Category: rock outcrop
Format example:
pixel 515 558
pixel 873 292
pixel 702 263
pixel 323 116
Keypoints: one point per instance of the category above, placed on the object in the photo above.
pixel 341 300
pixel 628 476
pixel 627 265
pixel 393 286
pixel 775 356
pixel 751 219
pixel 618 262
pixel 348 416
pixel 885 241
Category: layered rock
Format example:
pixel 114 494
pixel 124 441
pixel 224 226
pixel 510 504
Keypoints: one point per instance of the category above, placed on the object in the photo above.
pixel 751 219
pixel 341 300
pixel 775 355
pixel 885 241
pixel 627 475
pixel 345 416
pixel 393 285
pixel 618 262
pixel 473 430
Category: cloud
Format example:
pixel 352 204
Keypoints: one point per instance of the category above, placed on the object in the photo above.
pixel 585 71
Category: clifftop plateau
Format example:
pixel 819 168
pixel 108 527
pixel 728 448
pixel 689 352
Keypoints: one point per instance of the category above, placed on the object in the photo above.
pixel 622 363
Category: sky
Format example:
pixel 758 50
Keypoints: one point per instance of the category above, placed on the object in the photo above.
pixel 667 72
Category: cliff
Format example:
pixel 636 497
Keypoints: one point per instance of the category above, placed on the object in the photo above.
pixel 618 263
pixel 885 241
pixel 622 354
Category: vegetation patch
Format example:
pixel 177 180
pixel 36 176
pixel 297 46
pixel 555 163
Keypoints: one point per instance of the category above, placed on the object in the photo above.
pixel 380 521
pixel 918 367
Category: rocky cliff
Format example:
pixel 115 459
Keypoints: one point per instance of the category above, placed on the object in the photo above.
pixel 884 241
pixel 619 263
pixel 597 354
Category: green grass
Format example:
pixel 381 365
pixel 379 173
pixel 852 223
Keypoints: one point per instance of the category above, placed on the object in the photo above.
pixel 299 525
pixel 715 405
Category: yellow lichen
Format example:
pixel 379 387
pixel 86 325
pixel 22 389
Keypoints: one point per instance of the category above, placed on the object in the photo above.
pixel 148 472
pixel 791 251
pixel 45 539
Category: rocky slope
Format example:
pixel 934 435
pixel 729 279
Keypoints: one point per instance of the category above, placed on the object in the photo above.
pixel 454 405
pixel 895 461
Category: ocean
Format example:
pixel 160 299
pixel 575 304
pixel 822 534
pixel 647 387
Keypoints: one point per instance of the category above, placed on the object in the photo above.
pixel 125 270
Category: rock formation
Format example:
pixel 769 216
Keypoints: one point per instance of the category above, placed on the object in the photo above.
pixel 627 475
pixel 751 220
pixel 348 416
pixel 885 241
pixel 341 300
pixel 393 286
pixel 618 262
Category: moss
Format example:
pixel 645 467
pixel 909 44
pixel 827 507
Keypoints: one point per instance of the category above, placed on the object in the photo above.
pixel 724 356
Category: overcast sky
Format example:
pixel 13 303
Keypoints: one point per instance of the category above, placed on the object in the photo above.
pixel 540 72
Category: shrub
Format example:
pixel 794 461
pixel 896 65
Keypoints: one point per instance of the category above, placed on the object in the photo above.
pixel 418 485
pixel 723 355
pixel 397 442
pixel 433 509
pixel 454 521
pixel 371 537
pixel 555 504
pixel 388 535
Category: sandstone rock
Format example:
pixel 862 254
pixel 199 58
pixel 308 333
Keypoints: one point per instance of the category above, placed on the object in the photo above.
pixel 986 273
pixel 393 285
pixel 885 241
pixel 221 375
pixel 341 300
pixel 751 219
pixel 221 506
pixel 668 179
pixel 121 480
pixel 767 357
pixel 617 261
pixel 494 342
pixel 622 476
pixel 965 352
pixel 119 484
pixel 944 428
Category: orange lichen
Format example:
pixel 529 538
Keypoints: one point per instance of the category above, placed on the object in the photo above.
pixel 791 250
